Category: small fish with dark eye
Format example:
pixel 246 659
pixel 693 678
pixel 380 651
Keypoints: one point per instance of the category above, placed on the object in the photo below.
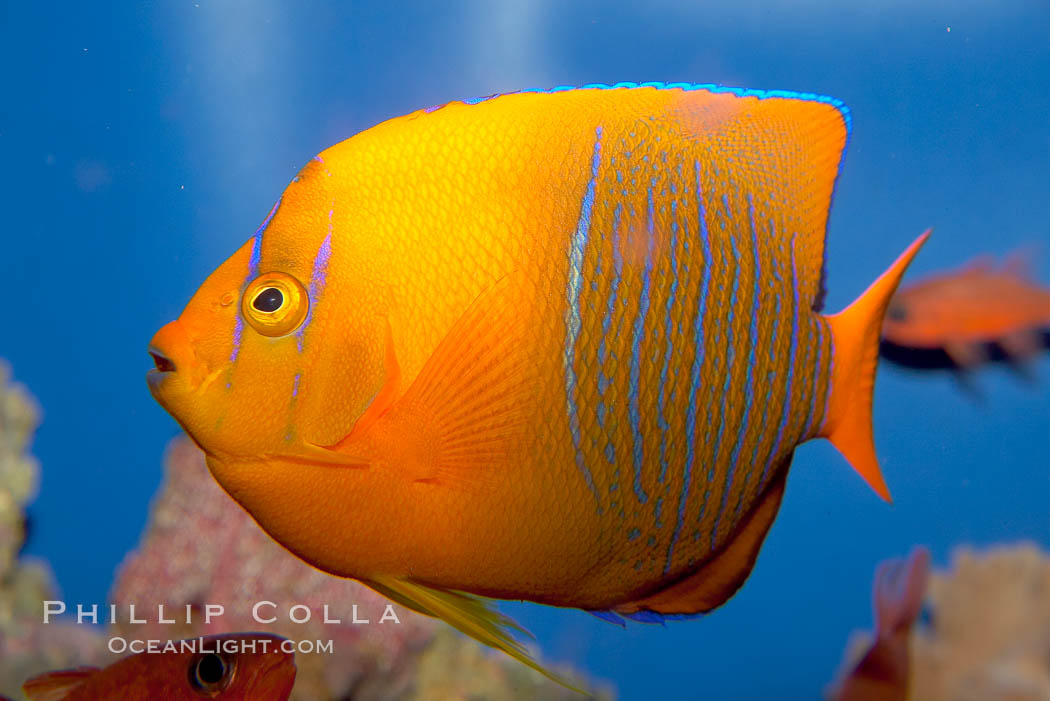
pixel 978 312
pixel 232 667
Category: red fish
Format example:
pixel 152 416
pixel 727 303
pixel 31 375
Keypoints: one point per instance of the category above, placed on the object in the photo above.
pixel 964 312
pixel 882 674
pixel 248 666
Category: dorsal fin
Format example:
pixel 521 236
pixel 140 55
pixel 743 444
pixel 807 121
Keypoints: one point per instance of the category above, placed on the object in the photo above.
pixel 778 147
pixel 1019 262
pixel 55 686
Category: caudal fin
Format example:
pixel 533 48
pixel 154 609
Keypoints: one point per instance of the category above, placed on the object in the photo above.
pixel 855 332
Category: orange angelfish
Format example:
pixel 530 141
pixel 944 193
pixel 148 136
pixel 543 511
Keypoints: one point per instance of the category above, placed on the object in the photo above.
pixel 232 667
pixel 964 312
pixel 557 346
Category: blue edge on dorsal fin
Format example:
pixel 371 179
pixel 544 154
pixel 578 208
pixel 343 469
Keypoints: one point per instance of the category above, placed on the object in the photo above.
pixel 817 303
pixel 710 87
pixel 641 617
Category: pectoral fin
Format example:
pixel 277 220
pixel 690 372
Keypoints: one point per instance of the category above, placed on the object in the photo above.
pixel 468 614
pixel 463 413
pixel 313 454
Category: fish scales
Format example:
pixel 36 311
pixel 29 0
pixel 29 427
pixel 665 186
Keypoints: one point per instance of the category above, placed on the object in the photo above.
pixel 615 379
pixel 556 346
pixel 626 171
pixel 713 360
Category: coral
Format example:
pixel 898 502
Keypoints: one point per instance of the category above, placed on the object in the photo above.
pixel 457 668
pixel 987 633
pixel 19 417
pixel 27 647
pixel 201 548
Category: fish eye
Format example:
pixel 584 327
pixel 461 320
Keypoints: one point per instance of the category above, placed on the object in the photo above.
pixel 275 304
pixel 269 299
pixel 897 312
pixel 210 673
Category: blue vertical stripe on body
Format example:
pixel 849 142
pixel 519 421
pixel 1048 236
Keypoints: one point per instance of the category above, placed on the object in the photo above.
pixel 811 414
pixel 786 409
pixel 573 321
pixel 636 359
pixel 610 304
pixel 668 340
pixel 805 383
pixel 831 373
pixel 698 361
pixel 599 435
pixel 289 433
pixel 730 357
pixel 749 388
pixel 603 379
pixel 253 272
pixel 771 377
pixel 318 278
pixel 727 384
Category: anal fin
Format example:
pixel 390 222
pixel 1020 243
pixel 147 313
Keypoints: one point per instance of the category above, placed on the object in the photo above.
pixel 719 578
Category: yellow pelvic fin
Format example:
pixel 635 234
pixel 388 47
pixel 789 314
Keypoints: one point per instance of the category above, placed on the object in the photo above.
pixel 468 614
pixel 855 333
pixel 463 411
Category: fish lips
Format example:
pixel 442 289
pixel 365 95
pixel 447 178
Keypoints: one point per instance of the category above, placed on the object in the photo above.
pixel 173 359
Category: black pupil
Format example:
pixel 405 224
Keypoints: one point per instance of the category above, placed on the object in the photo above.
pixel 269 300
pixel 210 670
pixel 897 312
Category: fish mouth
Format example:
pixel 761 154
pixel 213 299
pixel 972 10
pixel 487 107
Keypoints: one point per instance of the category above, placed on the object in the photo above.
pixel 161 362
pixel 172 354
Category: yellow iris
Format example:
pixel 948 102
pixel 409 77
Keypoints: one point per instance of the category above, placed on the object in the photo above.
pixel 275 304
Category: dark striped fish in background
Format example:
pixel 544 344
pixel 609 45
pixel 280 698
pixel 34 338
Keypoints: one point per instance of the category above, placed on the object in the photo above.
pixel 557 346
pixel 964 317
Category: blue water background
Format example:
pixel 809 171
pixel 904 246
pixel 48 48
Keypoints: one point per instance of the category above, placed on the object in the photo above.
pixel 141 144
